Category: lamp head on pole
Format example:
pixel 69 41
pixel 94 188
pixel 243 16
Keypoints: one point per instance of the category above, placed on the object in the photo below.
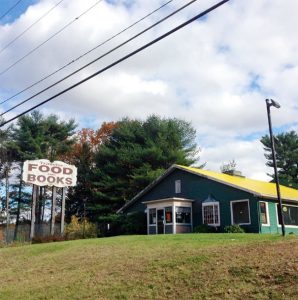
pixel 271 102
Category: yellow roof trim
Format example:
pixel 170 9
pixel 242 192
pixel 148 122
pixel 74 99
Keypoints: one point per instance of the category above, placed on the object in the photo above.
pixel 259 188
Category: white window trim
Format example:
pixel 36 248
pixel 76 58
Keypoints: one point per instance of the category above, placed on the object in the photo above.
pixel 165 221
pixel 267 214
pixel 149 217
pixel 178 186
pixel 211 204
pixel 277 222
pixel 188 224
pixel 232 216
pixel 174 219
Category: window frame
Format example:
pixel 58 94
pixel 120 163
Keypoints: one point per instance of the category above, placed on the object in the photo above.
pixel 213 204
pixel 152 224
pixel 178 186
pixel 190 223
pixel 166 223
pixel 267 214
pixel 277 221
pixel 232 215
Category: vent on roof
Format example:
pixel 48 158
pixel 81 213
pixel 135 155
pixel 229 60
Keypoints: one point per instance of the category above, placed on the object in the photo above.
pixel 234 173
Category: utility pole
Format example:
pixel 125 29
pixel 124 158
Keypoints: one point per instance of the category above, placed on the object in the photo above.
pixel 7 201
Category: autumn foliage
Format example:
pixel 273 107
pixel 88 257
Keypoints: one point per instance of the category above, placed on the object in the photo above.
pixel 90 137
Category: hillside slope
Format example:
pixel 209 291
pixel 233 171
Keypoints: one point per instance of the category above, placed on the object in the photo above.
pixel 192 266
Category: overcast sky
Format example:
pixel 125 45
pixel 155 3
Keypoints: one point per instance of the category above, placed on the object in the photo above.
pixel 215 73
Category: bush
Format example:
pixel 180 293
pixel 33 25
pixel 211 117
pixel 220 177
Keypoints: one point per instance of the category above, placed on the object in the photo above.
pixel 134 223
pixel 205 229
pixel 234 229
pixel 78 230
pixel 48 239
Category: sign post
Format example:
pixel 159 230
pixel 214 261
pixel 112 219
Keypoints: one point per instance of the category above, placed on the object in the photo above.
pixel 45 173
pixel 62 211
pixel 54 196
pixel 32 227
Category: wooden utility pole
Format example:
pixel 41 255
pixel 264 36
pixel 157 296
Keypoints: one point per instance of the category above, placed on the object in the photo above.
pixel 54 196
pixel 7 202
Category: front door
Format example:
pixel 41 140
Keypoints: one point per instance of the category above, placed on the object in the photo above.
pixel 160 221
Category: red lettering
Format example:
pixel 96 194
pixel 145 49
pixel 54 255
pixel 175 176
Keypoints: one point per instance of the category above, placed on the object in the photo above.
pixel 31 177
pixel 67 171
pixel 31 167
pixel 68 181
pixel 51 179
pixel 56 170
pixel 43 168
pixel 60 180
pixel 41 178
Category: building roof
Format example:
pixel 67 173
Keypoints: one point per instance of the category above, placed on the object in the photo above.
pixel 259 188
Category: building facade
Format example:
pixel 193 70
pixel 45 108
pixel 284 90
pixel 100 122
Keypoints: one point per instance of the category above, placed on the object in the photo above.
pixel 184 197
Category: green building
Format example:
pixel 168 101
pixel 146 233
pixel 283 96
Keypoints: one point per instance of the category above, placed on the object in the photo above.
pixel 184 197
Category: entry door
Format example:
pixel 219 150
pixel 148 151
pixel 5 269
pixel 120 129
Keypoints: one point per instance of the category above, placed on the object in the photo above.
pixel 160 221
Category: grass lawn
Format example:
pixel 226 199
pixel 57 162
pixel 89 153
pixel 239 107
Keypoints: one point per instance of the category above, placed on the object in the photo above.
pixel 186 266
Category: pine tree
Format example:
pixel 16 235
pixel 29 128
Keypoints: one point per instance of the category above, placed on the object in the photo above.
pixel 136 153
pixel 37 137
pixel 286 146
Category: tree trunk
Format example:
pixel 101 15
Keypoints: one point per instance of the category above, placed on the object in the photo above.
pixel 19 205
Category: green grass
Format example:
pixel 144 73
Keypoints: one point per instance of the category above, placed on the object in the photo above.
pixel 190 266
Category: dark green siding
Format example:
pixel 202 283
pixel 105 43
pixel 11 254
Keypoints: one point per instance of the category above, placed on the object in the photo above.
pixel 198 188
pixel 168 228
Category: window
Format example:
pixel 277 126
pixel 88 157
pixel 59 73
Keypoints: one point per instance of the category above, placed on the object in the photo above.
pixel 177 186
pixel 169 214
pixel 183 215
pixel 290 213
pixel 211 213
pixel 264 213
pixel 152 216
pixel 240 212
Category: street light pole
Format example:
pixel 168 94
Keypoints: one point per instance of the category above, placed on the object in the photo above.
pixel 269 103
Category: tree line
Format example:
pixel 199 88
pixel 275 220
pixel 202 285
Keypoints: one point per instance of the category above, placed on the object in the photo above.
pixel 115 161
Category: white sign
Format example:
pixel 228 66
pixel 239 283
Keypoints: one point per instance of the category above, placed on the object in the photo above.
pixel 43 172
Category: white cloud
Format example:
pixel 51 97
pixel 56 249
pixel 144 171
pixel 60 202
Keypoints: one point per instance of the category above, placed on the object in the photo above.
pixel 216 73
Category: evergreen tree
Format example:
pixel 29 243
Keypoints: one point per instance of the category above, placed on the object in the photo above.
pixel 136 153
pixel 37 137
pixel 286 147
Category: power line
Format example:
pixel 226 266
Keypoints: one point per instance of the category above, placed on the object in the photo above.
pixel 28 28
pixel 10 9
pixel 59 31
pixel 100 57
pixel 161 37
pixel 88 52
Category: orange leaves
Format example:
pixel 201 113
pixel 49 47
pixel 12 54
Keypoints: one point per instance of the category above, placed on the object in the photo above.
pixel 91 138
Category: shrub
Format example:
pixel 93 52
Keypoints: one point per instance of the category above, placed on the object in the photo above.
pixel 78 230
pixel 48 239
pixel 133 223
pixel 234 229
pixel 205 229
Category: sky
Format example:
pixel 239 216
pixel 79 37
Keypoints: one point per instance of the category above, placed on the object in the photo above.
pixel 215 73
